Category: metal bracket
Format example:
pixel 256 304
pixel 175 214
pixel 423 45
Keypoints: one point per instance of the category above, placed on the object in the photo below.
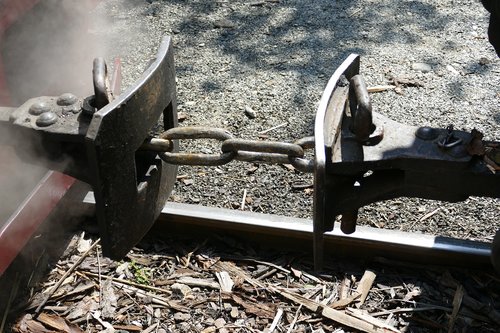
pixel 364 157
pixel 102 148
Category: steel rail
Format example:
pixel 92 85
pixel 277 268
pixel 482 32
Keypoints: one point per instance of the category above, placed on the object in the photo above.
pixel 296 233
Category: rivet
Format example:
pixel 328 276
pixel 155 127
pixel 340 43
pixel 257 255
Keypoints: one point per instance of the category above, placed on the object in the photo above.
pixel 426 133
pixel 46 119
pixel 38 108
pixel 67 99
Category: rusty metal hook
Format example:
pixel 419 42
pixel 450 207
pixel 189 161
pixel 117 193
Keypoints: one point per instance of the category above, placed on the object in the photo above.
pixel 102 91
pixel 361 109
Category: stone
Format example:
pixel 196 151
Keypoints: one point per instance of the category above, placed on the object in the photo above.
pixel 219 322
pixel 180 290
pixel 179 316
pixel 224 23
pixel 249 112
pixel 452 69
pixel 421 67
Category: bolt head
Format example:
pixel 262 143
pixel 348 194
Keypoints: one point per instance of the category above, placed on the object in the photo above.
pixel 426 133
pixel 38 108
pixel 67 99
pixel 88 106
pixel 46 119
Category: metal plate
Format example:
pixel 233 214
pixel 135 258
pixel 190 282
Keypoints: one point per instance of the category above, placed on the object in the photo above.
pixel 130 192
pixel 324 135
pixel 20 226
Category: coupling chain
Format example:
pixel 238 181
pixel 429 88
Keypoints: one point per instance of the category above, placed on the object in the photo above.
pixel 256 151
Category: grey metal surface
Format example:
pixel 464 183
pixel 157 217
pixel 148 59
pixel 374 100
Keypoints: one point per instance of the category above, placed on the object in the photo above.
pixel 324 136
pixel 297 233
pixel 366 242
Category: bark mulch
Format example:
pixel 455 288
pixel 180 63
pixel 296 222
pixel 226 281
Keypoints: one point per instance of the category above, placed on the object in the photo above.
pixel 222 284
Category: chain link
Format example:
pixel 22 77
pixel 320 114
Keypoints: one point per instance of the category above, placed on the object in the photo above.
pixel 191 133
pixel 300 163
pixel 231 149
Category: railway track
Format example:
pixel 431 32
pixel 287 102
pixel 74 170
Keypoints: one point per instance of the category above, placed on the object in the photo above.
pixel 396 256
pixel 297 233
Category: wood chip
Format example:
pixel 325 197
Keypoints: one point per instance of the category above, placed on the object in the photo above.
pixel 430 214
pixel 262 291
pixel 28 325
pixel 97 316
pixel 276 320
pixel 345 287
pixel 335 315
pixel 58 323
pixel 187 181
pixel 363 315
pixel 364 287
pixel 64 276
pixel 82 308
pixel 258 309
pixel 225 281
pixel 344 302
pixel 204 283
pixel 292 324
pixel 457 302
pixel 83 244
pixel 108 299
pixel 380 88
pixel 151 328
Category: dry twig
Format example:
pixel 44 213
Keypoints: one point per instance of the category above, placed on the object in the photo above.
pixel 130 283
pixel 357 323
pixel 242 206
pixel 381 88
pixel 276 320
pixel 273 128
pixel 290 328
pixel 64 276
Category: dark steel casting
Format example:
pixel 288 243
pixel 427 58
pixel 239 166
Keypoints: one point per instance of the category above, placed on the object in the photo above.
pixel 97 140
pixel 364 157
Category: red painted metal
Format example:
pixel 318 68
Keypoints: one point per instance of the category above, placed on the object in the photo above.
pixel 22 224
pixel 4 92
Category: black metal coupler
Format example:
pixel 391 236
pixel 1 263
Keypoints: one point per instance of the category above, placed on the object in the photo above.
pixel 370 157
pixel 364 157
pixel 100 147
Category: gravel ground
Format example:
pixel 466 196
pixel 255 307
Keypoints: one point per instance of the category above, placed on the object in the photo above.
pixel 276 57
